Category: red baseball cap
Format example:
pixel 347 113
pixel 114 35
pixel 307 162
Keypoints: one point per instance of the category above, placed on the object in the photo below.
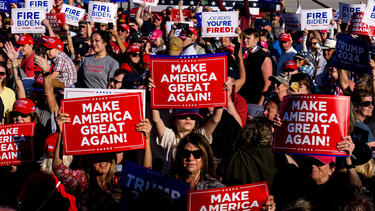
pixel 53 42
pixel 290 65
pixel 157 16
pixel 156 34
pixel 25 39
pixel 193 30
pixel 134 48
pixel 49 144
pixel 23 105
pixel 323 160
pixel 285 37
pixel 125 27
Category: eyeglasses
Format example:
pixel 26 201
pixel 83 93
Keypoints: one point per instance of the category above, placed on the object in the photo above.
pixel 366 103
pixel 135 54
pixel 197 154
pixel 14 114
pixel 2 74
pixel 116 81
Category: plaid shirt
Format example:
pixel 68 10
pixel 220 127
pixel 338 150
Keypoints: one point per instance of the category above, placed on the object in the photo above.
pixel 65 66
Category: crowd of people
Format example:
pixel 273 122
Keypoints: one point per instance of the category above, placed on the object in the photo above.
pixel 206 148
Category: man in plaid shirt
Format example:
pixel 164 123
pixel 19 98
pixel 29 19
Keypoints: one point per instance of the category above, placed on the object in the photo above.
pixel 62 66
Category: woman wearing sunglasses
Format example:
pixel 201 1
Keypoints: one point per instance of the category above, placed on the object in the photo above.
pixel 194 163
pixel 7 95
pixel 135 78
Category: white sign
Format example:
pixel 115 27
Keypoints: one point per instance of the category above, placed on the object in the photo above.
pixel 72 14
pixel 45 4
pixel 27 20
pixel 347 10
pixel 70 93
pixel 169 25
pixel 292 21
pixel 369 17
pixel 147 2
pixel 318 19
pixel 219 24
pixel 101 12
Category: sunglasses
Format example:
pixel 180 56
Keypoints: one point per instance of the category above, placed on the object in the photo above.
pixel 366 103
pixel 297 59
pixel 275 83
pixel 314 43
pixel 197 154
pixel 135 54
pixel 132 25
pixel 192 117
pixel 16 114
pixel 2 74
pixel 115 81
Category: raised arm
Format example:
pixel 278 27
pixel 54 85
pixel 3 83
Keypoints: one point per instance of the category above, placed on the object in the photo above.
pixel 138 15
pixel 145 127
pixel 49 28
pixel 69 38
pixel 180 13
pixel 160 126
pixel 13 56
pixel 266 73
pixel 220 5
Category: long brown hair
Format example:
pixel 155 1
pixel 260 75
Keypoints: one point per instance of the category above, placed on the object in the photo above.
pixel 208 168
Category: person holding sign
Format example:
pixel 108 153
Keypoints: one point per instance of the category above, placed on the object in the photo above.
pixel 194 163
pixel 97 70
pixel 96 187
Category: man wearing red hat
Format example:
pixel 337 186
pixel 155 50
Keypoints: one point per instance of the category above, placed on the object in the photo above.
pixel 26 44
pixel 285 41
pixel 63 67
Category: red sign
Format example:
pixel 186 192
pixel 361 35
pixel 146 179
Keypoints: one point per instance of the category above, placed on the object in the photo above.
pixel 360 28
pixel 312 124
pixel 103 124
pixel 16 143
pixel 176 15
pixel 242 197
pixel 56 20
pixel 189 81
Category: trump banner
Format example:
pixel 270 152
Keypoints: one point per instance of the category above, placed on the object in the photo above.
pixel 175 13
pixel 351 54
pixel 103 124
pixel 42 4
pixel 357 26
pixel 57 21
pixel 138 179
pixel 369 16
pixel 189 81
pixel 242 198
pixel 219 24
pixel 16 143
pixel 28 20
pixel 312 124
pixel 102 12
pixel 347 11
pixel 153 3
pixel 72 14
pixel 318 19
pixel 4 6
pixel 292 21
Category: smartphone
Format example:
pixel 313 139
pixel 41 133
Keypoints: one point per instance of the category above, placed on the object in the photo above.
pixel 110 25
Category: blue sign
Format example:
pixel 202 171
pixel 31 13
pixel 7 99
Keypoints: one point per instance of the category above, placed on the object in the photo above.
pixel 199 18
pixel 119 0
pixel 139 179
pixel 4 6
pixel 351 54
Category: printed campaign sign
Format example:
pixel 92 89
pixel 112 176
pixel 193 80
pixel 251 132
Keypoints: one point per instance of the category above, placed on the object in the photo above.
pixel 292 21
pixel 4 6
pixel 27 20
pixel 357 26
pixel 242 198
pixel 72 14
pixel 351 54
pixel 147 2
pixel 16 143
pixel 317 19
pixel 189 81
pixel 176 14
pixel 312 124
pixel 139 179
pixel 101 12
pixel 347 11
pixel 43 4
pixel 103 124
pixel 219 24
pixel 369 16
pixel 57 21
pixel 70 93
pixel 199 19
